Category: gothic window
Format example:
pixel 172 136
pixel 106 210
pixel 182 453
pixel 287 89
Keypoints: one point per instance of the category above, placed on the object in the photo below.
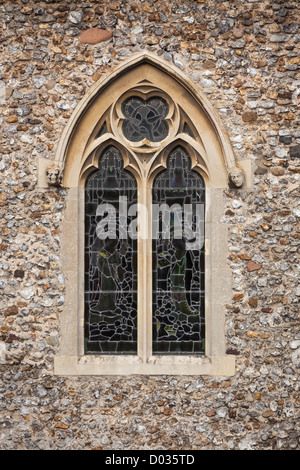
pixel 111 313
pixel 145 161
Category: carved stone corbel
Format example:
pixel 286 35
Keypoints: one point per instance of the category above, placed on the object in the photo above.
pixel 54 176
pixel 236 177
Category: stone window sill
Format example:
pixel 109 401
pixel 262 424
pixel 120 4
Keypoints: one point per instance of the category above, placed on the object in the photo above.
pixel 155 365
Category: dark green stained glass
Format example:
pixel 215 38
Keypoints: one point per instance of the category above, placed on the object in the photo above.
pixel 187 130
pixel 145 119
pixel 178 261
pixel 111 262
pixel 102 130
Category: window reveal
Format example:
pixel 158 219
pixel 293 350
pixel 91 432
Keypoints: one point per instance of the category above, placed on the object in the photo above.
pixel 178 261
pixel 110 263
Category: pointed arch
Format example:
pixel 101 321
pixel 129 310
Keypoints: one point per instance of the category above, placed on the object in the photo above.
pixel 97 123
pixel 147 73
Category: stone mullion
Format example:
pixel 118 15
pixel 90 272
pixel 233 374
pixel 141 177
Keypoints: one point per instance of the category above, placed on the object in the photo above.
pixel 144 274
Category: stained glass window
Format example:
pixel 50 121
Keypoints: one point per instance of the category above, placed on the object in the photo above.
pixel 145 119
pixel 178 258
pixel 110 259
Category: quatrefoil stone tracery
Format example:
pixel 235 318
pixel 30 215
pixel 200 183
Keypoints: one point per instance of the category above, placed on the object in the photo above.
pixel 145 119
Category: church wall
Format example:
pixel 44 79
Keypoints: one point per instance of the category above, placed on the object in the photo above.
pixel 244 56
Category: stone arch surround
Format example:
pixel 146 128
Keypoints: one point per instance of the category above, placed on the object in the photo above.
pixel 76 157
pixel 78 130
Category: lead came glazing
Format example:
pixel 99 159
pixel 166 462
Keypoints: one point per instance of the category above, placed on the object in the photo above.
pixel 178 271
pixel 145 119
pixel 110 264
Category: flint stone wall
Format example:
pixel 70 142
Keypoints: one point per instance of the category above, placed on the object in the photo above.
pixel 245 57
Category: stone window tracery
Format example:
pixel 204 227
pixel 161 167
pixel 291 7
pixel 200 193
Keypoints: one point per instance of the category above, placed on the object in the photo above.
pixel 111 312
pixel 145 119
pixel 160 303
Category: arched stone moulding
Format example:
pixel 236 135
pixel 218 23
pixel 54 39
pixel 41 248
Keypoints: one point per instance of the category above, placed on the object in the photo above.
pixel 195 150
pixel 91 158
pixel 143 70
pixel 78 155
